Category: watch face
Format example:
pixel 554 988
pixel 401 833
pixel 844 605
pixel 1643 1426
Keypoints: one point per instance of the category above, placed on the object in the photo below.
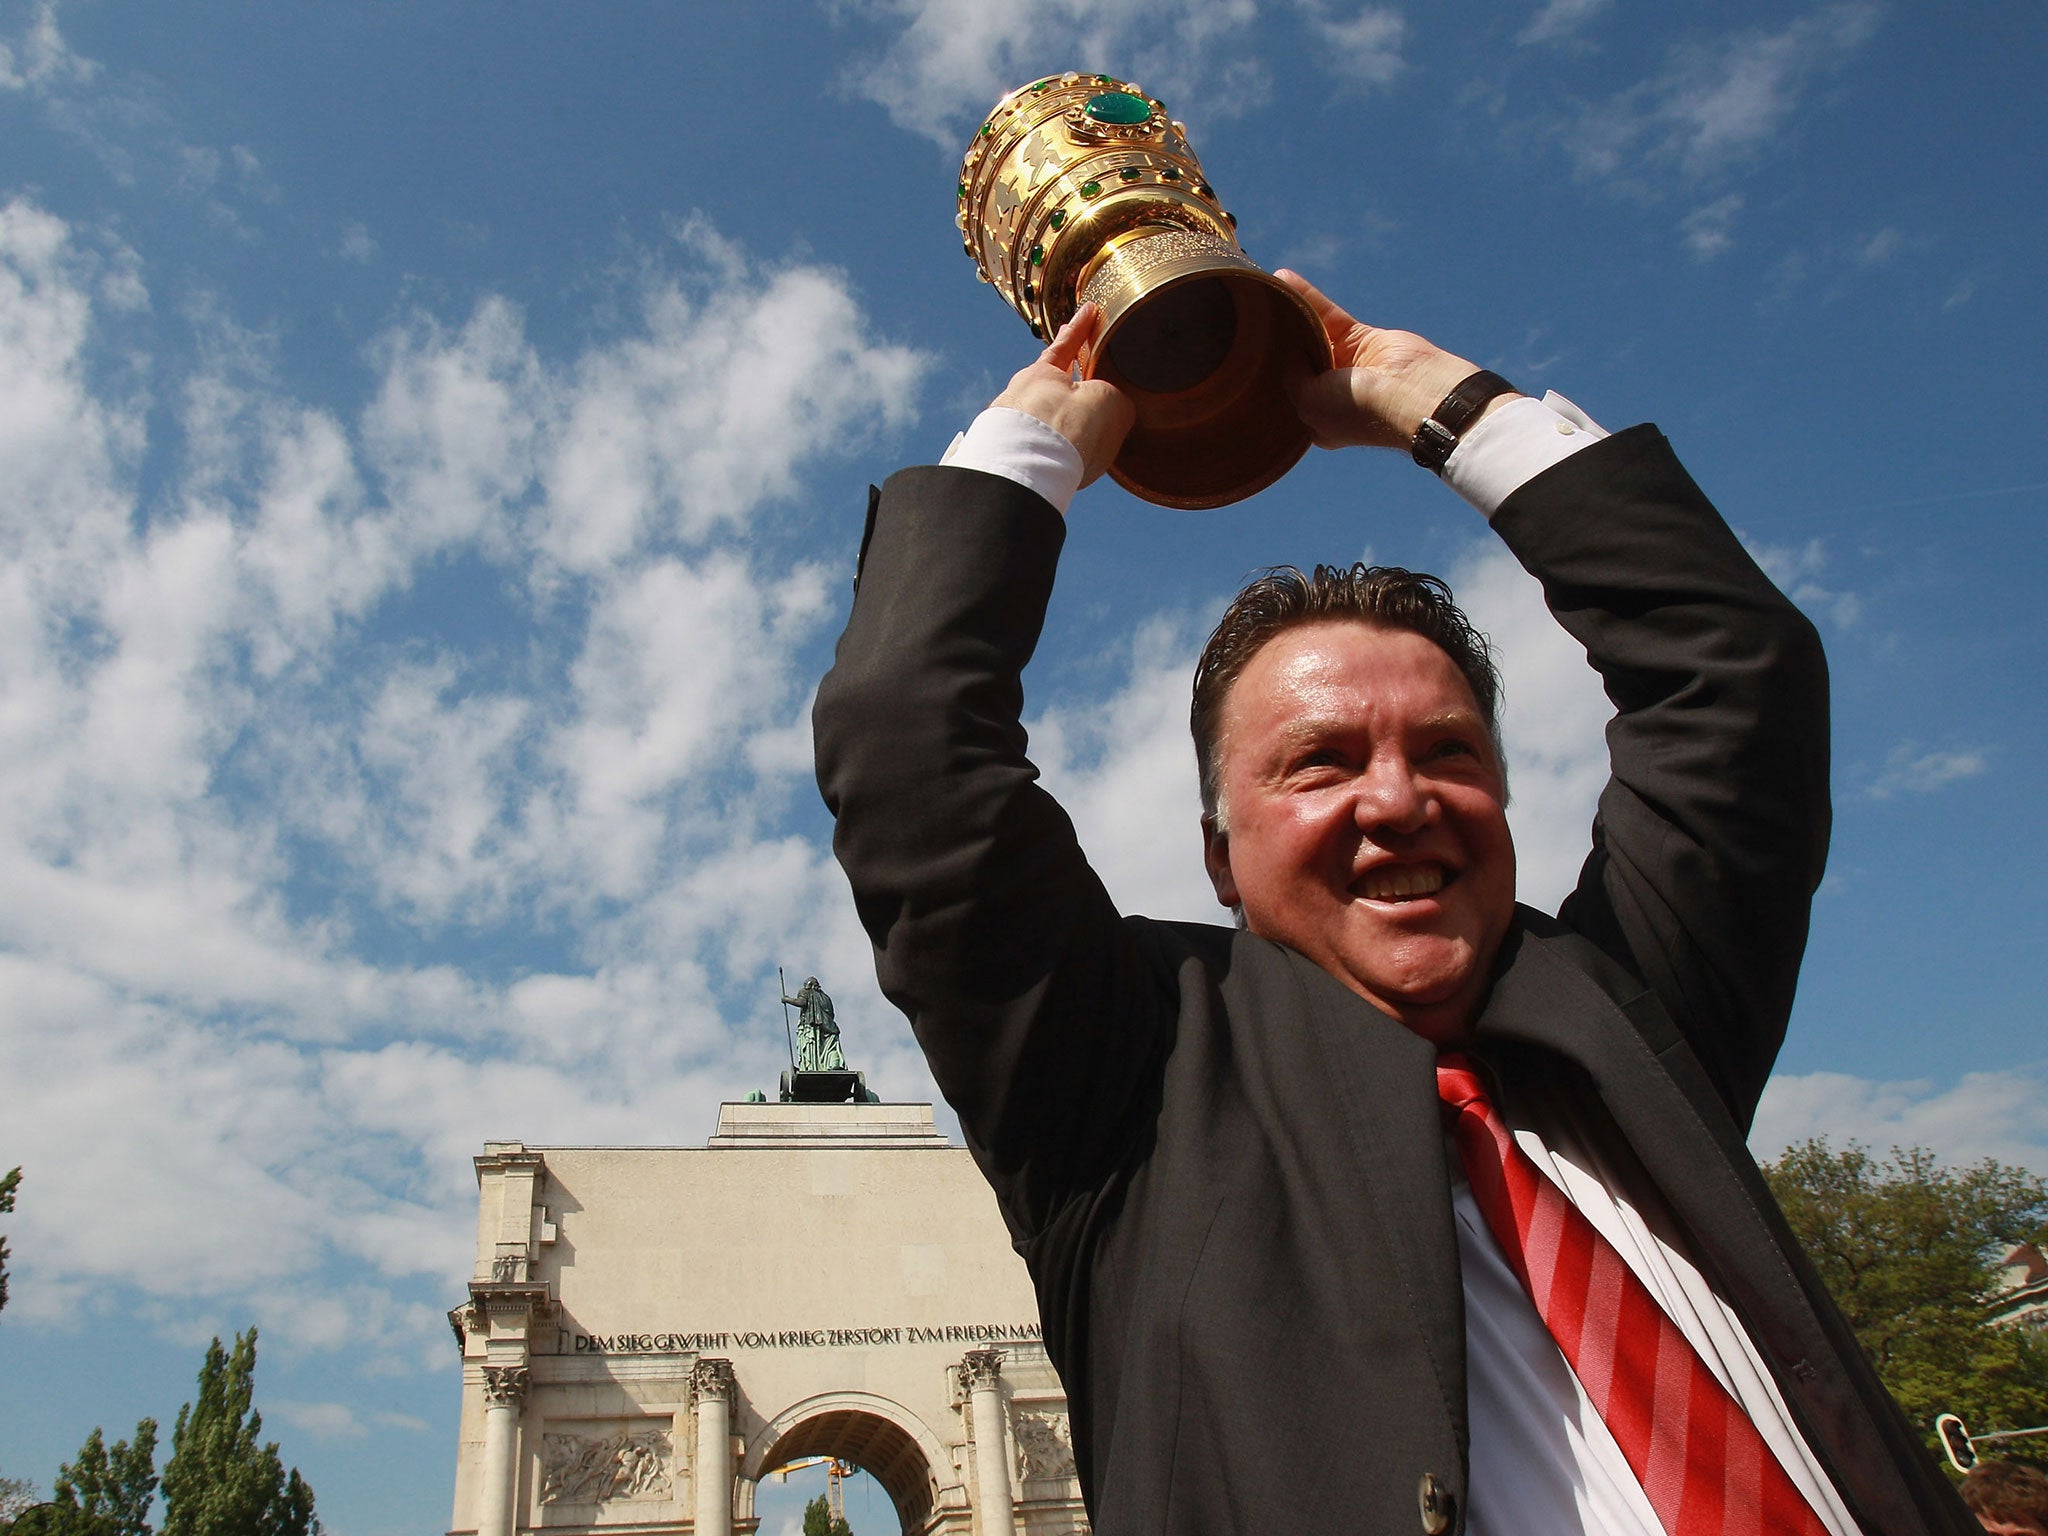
pixel 1433 444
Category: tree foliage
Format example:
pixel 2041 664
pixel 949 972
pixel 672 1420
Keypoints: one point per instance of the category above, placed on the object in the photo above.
pixel 1909 1249
pixel 820 1521
pixel 9 1183
pixel 16 1494
pixel 108 1492
pixel 219 1480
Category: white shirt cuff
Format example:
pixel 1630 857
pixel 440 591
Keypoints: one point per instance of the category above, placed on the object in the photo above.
pixel 1022 448
pixel 1514 445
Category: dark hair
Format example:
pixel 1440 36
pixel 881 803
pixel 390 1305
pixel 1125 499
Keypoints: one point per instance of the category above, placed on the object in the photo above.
pixel 1282 598
pixel 2010 1492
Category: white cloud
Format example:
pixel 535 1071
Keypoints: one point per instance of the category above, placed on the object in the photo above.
pixel 247 770
pixel 1910 771
pixel 1709 229
pixel 1560 19
pixel 357 243
pixel 1715 104
pixel 1123 766
pixel 36 58
pixel 950 60
pixel 1554 721
pixel 2001 1115
pixel 1797 571
pixel 1879 248
pixel 1364 49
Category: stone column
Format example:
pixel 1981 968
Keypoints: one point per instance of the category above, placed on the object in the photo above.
pixel 504 1391
pixel 711 1383
pixel 994 1513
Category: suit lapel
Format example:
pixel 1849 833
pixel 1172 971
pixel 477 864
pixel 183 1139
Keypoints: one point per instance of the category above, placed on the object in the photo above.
pixel 1382 1078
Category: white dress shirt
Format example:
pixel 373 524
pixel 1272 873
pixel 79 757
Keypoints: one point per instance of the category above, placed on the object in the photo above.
pixel 1543 1462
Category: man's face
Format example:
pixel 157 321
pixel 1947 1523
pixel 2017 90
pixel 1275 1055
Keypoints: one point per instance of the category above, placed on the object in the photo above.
pixel 1366 820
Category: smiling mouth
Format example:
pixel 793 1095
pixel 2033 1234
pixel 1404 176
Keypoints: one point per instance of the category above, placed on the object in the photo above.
pixel 1401 883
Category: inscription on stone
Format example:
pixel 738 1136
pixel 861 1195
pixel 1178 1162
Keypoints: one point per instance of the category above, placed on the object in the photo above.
pixel 569 1342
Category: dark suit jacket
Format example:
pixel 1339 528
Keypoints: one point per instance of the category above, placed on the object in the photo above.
pixel 1225 1170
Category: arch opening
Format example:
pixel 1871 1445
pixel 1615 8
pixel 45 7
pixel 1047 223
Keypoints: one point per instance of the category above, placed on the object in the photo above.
pixel 882 1449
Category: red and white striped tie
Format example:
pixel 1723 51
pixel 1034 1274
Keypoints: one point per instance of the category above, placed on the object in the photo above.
pixel 1696 1453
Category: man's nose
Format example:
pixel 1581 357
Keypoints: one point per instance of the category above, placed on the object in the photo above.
pixel 1393 797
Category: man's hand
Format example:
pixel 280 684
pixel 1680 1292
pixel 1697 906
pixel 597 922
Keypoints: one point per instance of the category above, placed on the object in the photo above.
pixel 1092 415
pixel 1384 384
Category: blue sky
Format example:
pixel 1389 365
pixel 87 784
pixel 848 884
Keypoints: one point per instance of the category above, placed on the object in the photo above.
pixel 432 446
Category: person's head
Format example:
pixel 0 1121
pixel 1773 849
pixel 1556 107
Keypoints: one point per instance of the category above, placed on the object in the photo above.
pixel 2009 1498
pixel 1354 793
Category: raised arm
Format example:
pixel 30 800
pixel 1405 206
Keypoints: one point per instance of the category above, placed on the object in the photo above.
pixel 1039 1011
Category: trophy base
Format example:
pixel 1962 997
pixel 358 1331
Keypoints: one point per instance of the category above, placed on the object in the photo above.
pixel 1202 341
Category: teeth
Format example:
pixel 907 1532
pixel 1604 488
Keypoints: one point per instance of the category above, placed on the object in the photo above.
pixel 1393 884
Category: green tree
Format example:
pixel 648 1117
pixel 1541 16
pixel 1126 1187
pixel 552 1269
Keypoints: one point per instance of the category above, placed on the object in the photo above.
pixel 1909 1249
pixel 820 1521
pixel 219 1481
pixel 16 1494
pixel 9 1183
pixel 108 1493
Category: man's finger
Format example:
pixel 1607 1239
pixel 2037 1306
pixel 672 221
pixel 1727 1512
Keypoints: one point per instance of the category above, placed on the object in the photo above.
pixel 1337 321
pixel 1065 348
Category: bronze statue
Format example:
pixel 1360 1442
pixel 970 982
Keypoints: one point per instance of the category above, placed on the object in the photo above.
pixel 817 1033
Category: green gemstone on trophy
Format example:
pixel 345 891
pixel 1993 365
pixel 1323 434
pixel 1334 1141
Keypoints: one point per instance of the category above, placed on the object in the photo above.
pixel 1171 173
pixel 1038 255
pixel 1130 173
pixel 1118 107
pixel 1057 217
pixel 1043 85
pixel 963 191
pixel 1090 188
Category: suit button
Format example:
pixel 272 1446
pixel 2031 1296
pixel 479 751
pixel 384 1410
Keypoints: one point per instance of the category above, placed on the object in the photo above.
pixel 1439 1505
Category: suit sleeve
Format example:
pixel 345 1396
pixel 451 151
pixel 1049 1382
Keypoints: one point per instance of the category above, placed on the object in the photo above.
pixel 1712 830
pixel 1040 1011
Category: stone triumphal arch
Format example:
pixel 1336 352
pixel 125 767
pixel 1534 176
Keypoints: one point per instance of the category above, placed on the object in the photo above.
pixel 651 1331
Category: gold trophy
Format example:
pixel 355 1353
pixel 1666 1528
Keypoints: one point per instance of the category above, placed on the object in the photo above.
pixel 1078 188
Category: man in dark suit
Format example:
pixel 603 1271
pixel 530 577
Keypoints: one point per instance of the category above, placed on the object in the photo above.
pixel 1281 1295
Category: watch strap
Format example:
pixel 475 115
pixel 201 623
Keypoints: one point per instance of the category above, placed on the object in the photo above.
pixel 1438 435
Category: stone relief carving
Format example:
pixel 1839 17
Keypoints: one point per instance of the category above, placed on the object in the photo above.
pixel 599 1469
pixel 1044 1446
pixel 508 1268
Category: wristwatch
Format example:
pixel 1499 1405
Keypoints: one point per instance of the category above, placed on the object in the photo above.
pixel 1437 436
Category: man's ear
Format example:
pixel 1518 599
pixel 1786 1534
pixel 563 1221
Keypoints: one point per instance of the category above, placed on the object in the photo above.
pixel 1216 857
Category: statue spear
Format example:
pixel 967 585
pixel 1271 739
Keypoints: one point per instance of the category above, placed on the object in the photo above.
pixel 782 991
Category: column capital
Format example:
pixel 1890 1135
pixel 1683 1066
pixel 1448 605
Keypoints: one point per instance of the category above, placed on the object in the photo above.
pixel 713 1377
pixel 504 1385
pixel 982 1369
